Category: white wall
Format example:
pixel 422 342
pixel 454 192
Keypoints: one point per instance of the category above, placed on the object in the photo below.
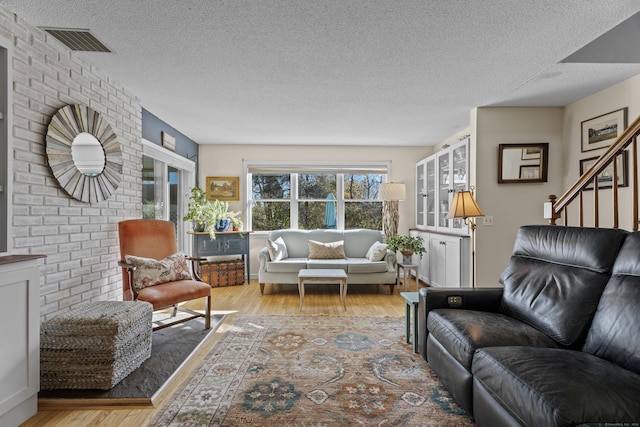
pixel 79 239
pixel 216 160
pixel 624 94
pixel 511 205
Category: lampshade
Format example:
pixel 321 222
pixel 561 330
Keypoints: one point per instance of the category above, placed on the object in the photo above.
pixel 393 191
pixel 464 206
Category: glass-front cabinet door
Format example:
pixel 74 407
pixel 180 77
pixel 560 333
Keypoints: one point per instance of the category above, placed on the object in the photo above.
pixel 420 194
pixel 444 185
pixel 460 181
pixel 438 178
pixel 430 193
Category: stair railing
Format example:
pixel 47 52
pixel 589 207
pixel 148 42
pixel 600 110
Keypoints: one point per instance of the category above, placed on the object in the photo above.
pixel 559 205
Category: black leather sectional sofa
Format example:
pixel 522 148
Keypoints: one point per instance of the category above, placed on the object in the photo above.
pixel 557 345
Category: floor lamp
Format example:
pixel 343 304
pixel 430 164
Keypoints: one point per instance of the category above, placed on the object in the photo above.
pixel 464 206
pixel 391 193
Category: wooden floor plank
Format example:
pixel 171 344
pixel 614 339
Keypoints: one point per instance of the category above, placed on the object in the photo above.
pixel 320 300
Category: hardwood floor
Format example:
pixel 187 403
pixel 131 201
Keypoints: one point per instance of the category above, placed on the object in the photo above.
pixel 319 300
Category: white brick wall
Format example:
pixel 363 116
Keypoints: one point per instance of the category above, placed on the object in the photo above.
pixel 79 239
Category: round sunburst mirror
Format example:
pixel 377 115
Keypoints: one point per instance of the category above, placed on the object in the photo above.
pixel 84 153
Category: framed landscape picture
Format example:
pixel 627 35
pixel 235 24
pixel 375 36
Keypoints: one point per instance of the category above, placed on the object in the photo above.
pixel 225 188
pixel 530 172
pixel 605 179
pixel 601 131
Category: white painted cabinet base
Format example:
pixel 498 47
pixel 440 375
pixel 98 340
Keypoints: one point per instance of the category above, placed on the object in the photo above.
pixel 447 261
pixel 20 327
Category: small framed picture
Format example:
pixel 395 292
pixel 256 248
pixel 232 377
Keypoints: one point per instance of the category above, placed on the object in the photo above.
pixel 168 141
pixel 224 188
pixel 530 171
pixel 531 153
pixel 605 179
pixel 601 131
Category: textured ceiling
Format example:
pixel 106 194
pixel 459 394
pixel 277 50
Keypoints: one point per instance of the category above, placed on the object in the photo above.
pixel 341 72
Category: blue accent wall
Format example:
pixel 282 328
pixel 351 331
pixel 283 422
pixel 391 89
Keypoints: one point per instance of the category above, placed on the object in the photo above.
pixel 152 128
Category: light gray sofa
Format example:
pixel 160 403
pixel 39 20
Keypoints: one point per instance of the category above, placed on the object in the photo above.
pixel 356 244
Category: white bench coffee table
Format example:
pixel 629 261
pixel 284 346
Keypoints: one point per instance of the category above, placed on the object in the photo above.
pixel 322 275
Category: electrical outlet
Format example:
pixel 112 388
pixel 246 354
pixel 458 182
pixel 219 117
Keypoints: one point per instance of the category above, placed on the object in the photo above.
pixel 487 220
pixel 454 300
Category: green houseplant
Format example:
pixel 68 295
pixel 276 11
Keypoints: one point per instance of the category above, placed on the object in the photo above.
pixel 407 245
pixel 208 215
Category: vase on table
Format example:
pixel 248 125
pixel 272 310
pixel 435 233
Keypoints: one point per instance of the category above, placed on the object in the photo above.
pixel 222 225
pixel 198 226
pixel 407 254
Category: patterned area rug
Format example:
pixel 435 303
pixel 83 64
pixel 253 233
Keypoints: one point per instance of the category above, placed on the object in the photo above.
pixel 313 371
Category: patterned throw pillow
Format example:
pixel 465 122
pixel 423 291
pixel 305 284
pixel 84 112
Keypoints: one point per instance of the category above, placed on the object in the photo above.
pixel 333 250
pixel 277 249
pixel 377 251
pixel 150 272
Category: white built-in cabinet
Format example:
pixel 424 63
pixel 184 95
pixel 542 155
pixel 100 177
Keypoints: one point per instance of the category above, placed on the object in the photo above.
pixel 438 178
pixel 20 338
pixel 447 260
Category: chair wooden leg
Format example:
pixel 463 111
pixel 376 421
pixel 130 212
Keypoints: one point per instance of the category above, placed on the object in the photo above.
pixel 207 313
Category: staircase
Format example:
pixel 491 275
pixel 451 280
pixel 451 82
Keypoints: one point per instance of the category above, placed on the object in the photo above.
pixel 559 206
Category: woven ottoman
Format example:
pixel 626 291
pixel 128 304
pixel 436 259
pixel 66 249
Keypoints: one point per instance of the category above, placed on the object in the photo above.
pixel 95 345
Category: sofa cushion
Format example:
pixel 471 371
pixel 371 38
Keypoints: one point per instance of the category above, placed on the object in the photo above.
pixel 296 241
pixel 327 263
pixel 377 251
pixel 364 266
pixel 556 276
pixel 277 249
pixel 331 250
pixel 555 387
pixel 358 241
pixel 289 265
pixel 615 332
pixel 461 332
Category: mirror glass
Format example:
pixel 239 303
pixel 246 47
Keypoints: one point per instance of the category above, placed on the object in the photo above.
pixel 519 163
pixel 88 154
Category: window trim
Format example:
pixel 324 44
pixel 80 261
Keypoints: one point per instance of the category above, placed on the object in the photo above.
pixel 249 166
pixel 6 159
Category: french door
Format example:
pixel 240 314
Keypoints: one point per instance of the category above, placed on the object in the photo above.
pixel 166 180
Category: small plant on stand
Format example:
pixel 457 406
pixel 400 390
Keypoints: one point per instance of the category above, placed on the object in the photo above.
pixel 211 216
pixel 198 210
pixel 407 245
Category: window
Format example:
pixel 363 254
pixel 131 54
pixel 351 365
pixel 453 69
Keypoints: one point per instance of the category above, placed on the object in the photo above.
pixel 314 196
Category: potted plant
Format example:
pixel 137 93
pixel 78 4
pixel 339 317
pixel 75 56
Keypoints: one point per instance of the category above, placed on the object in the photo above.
pixel 407 245
pixel 212 216
pixel 236 221
pixel 198 209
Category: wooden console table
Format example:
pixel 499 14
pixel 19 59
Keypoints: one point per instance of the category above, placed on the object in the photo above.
pixel 225 243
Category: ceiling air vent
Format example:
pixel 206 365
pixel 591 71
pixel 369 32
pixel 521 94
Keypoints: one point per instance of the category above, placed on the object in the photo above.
pixel 78 39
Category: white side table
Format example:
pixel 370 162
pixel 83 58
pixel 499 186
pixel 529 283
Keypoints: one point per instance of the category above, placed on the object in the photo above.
pixel 406 273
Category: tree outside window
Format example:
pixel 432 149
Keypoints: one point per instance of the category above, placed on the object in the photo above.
pixel 314 199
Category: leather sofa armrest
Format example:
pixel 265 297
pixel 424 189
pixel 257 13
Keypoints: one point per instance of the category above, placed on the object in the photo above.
pixel 481 299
